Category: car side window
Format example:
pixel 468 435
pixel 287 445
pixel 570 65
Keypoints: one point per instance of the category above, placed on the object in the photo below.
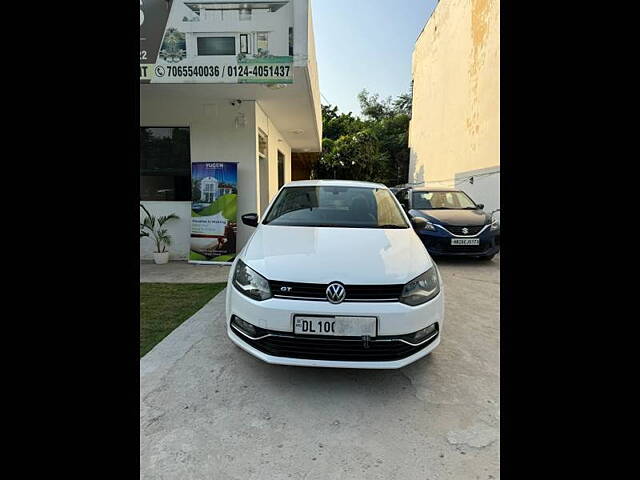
pixel 403 198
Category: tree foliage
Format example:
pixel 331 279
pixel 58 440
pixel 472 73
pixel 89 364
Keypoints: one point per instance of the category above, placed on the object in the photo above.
pixel 335 125
pixel 373 148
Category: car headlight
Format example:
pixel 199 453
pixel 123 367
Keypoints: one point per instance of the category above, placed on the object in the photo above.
pixel 250 282
pixel 429 226
pixel 421 289
pixel 495 225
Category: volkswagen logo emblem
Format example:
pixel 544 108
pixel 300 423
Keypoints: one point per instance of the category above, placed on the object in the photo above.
pixel 465 230
pixel 336 292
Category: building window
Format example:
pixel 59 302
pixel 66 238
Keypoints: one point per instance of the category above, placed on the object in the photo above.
pixel 262 144
pixel 216 46
pixel 165 164
pixel 244 43
pixel 280 169
pixel 262 42
pixel 291 41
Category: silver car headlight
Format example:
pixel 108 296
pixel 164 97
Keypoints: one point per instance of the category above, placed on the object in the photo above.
pixel 422 288
pixel 250 282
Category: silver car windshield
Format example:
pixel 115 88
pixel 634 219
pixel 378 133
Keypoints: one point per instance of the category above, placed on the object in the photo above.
pixel 336 206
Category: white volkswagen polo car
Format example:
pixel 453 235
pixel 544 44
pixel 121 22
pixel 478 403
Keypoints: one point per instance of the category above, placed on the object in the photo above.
pixel 335 276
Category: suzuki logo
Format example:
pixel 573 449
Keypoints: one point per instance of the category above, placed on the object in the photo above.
pixel 465 230
pixel 336 292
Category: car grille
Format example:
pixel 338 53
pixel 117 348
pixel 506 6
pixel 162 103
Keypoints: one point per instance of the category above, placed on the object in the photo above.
pixel 457 230
pixel 331 348
pixel 317 291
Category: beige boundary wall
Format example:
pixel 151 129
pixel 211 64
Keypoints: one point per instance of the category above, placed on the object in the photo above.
pixel 455 129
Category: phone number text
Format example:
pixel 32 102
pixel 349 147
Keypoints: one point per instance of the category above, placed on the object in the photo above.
pixel 217 71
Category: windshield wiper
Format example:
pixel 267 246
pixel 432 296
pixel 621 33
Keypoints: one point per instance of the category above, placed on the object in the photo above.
pixel 391 226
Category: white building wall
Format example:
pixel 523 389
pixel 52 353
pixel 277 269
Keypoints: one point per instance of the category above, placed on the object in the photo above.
pixel 302 33
pixel 276 142
pixel 179 250
pixel 312 70
pixel 276 23
pixel 484 189
pixel 455 124
pixel 214 138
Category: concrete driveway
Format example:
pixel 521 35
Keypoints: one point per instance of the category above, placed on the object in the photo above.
pixel 209 410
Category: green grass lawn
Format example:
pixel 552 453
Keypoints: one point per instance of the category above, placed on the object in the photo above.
pixel 164 306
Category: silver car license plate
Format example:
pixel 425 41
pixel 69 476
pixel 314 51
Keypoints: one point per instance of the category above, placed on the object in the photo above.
pixel 338 326
pixel 465 241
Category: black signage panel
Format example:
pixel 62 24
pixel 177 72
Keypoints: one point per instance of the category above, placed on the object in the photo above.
pixel 153 21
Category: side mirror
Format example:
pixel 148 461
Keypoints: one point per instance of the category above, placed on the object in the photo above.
pixel 250 219
pixel 418 223
pixel 405 204
pixel 480 206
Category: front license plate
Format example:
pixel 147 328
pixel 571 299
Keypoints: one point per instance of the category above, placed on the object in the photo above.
pixel 335 326
pixel 465 241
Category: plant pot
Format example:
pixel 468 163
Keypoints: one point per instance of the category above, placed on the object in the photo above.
pixel 161 258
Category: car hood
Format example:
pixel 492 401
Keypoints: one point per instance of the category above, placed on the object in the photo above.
pixel 356 256
pixel 466 218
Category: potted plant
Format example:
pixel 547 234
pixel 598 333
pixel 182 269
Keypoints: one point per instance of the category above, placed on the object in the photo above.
pixel 153 227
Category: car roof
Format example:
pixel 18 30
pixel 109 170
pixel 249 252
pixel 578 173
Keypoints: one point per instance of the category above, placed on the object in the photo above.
pixel 333 183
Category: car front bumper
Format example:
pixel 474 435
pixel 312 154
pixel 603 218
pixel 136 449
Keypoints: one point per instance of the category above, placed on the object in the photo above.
pixel 283 347
pixel 306 362
pixel 438 242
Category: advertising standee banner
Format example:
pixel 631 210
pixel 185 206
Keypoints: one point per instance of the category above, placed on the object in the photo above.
pixel 214 207
pixel 216 41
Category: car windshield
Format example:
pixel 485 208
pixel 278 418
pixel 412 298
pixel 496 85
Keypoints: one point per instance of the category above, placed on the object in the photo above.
pixel 336 206
pixel 442 201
